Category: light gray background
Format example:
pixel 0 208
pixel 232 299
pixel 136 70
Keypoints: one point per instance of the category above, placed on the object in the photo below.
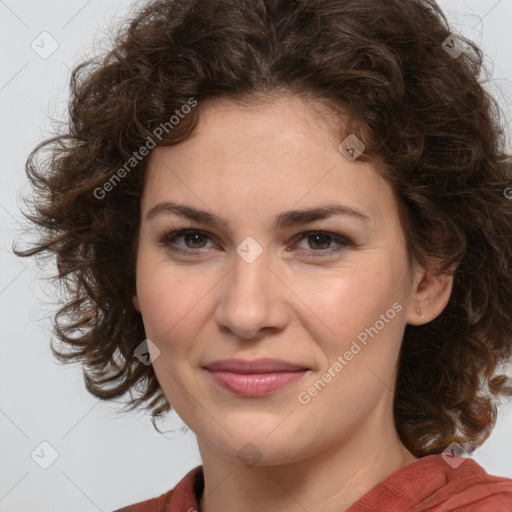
pixel 106 460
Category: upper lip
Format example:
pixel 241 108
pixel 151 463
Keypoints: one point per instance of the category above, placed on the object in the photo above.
pixel 254 366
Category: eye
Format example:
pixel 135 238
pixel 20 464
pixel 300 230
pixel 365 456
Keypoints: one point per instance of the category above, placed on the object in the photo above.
pixel 323 241
pixel 195 242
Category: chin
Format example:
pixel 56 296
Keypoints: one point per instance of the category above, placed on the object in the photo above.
pixel 254 447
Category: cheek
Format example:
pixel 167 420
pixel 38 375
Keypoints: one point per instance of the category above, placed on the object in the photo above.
pixel 364 312
pixel 169 303
pixel 349 300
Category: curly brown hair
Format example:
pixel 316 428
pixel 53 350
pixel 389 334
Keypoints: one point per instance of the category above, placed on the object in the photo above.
pixel 425 119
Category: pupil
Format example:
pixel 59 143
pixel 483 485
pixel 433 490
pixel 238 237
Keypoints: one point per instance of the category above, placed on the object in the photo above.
pixel 325 237
pixel 190 236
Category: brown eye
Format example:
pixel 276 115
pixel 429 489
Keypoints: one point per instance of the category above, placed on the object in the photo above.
pixel 319 243
pixel 193 240
pixel 319 240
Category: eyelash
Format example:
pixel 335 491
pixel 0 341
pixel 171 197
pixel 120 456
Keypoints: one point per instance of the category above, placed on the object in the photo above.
pixel 168 238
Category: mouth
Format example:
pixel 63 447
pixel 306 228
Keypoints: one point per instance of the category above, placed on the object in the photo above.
pixel 254 378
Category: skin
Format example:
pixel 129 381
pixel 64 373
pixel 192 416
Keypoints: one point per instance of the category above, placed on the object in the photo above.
pixel 247 164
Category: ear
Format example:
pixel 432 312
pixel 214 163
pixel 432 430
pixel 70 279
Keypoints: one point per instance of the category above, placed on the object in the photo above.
pixel 430 294
pixel 136 303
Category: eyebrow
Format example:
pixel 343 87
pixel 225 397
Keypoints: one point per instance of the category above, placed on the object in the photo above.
pixel 283 220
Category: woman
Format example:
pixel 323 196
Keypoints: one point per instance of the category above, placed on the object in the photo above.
pixel 289 221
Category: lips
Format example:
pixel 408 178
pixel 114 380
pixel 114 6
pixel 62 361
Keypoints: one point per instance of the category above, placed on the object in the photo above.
pixel 254 378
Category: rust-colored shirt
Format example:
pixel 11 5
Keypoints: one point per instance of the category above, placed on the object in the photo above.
pixel 427 484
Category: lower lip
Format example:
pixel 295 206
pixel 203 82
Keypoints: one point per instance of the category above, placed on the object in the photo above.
pixel 255 384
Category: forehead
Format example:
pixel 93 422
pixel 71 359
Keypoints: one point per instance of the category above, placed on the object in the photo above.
pixel 262 159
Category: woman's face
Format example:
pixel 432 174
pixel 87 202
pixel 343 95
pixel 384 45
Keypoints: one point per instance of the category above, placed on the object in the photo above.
pixel 334 302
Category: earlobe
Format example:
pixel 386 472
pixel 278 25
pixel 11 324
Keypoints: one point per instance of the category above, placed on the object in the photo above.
pixel 430 298
pixel 136 303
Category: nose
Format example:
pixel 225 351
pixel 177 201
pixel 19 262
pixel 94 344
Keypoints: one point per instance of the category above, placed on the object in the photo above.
pixel 253 300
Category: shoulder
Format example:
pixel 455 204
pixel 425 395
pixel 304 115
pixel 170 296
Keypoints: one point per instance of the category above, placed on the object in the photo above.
pixel 185 494
pixel 470 487
pixel 436 483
